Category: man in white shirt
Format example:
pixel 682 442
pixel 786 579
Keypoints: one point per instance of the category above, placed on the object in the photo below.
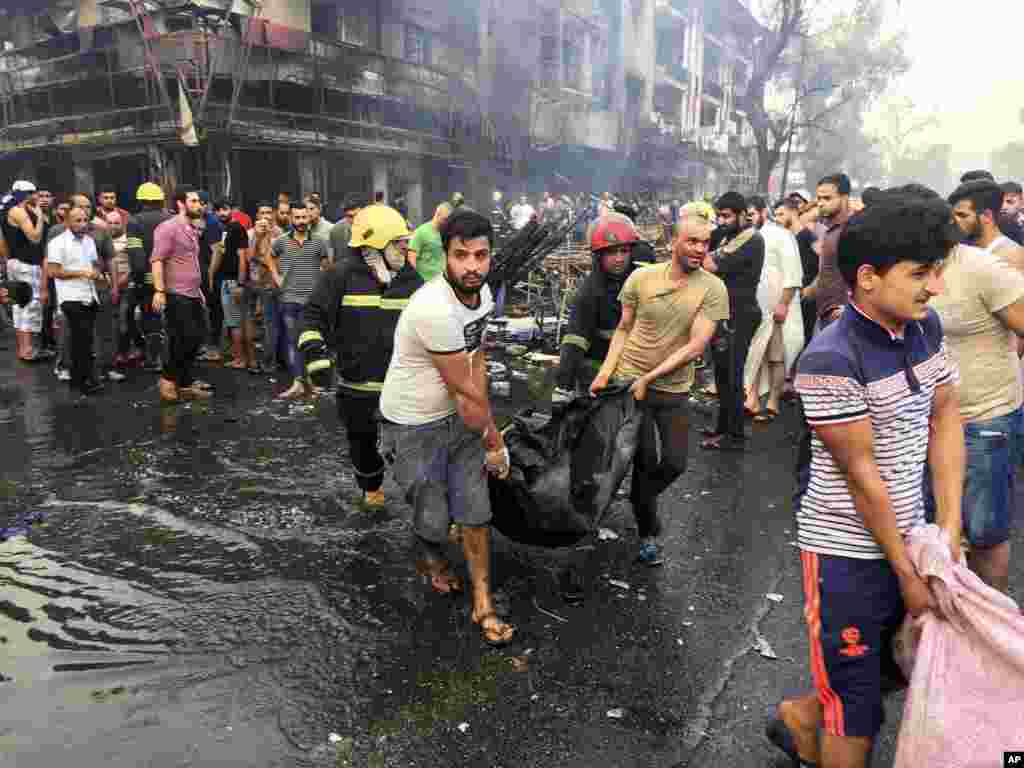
pixel 438 433
pixel 782 254
pixel 72 262
pixel 521 213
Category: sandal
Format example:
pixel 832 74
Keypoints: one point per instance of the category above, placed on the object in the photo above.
pixel 779 735
pixel 767 416
pixel 712 443
pixel 711 432
pixel 493 631
pixel 441 580
pixel 239 365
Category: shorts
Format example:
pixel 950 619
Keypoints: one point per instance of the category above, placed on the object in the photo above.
pixel 232 308
pixel 853 609
pixel 440 469
pixel 30 317
pixel 989 501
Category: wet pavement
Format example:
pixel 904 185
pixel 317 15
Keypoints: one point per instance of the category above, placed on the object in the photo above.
pixel 205 590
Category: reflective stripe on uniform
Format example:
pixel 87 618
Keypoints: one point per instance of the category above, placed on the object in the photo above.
pixel 134 242
pixel 360 300
pixel 576 341
pixel 319 365
pixel 398 304
pixel 366 386
pixel 606 334
pixel 309 336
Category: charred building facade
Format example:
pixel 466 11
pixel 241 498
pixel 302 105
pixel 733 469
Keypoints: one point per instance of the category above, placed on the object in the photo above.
pixel 418 99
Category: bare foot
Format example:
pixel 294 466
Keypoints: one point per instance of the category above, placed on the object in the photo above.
pixel 493 630
pixel 294 392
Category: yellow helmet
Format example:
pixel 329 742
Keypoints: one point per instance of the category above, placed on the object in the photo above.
pixel 149 193
pixel 376 226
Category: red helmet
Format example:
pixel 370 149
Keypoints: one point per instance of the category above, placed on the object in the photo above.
pixel 611 230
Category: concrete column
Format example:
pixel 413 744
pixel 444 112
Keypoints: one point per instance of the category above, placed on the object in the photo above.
pixel 380 178
pixel 85 179
pixel 414 195
pixel 308 163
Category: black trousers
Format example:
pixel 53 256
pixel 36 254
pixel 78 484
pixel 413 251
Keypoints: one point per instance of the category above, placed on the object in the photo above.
pixel 81 320
pixel 729 362
pixel 186 323
pixel 49 341
pixel 359 414
pixel 216 312
pixel 661 455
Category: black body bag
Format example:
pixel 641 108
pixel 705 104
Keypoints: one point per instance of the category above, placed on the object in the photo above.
pixel 565 474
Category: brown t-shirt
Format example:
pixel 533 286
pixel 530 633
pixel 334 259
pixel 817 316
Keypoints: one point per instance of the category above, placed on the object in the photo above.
pixel 979 284
pixel 833 291
pixel 664 318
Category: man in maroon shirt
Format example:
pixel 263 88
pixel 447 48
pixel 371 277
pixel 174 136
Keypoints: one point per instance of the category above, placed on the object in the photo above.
pixel 829 289
pixel 177 293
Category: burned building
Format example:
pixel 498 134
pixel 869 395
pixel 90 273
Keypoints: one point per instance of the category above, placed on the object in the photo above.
pixel 417 100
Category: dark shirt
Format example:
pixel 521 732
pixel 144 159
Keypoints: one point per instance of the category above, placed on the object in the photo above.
pixel 808 257
pixel 21 248
pixel 235 240
pixel 741 273
pixel 833 292
pixel 1010 226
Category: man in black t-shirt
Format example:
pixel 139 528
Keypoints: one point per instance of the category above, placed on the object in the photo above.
pixel 229 261
pixel 787 214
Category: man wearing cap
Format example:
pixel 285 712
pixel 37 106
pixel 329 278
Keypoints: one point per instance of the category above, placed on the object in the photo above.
pixel 24 229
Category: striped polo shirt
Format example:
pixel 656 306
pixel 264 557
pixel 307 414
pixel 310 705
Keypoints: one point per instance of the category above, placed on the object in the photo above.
pixel 298 264
pixel 856 369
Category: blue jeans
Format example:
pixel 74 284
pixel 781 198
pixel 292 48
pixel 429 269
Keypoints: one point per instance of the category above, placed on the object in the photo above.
pixel 989 498
pixel 291 314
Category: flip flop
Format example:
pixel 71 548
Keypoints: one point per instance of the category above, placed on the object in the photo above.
pixel 710 432
pixel 491 619
pixel 766 417
pixel 779 735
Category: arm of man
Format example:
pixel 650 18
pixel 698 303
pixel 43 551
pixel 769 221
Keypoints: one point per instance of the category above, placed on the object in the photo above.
pixel 576 342
pixel 700 334
pixel 466 380
pixel 618 343
pixel 749 258
pixel 852 446
pixel 18 216
pixel 215 263
pixel 947 458
pixel 320 324
pixel 792 276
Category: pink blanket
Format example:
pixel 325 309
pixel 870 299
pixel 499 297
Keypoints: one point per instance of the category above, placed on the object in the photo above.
pixel 965 705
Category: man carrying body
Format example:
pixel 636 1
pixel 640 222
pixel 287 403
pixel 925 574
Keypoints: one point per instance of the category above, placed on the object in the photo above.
pixel 879 391
pixel 829 289
pixel 739 261
pixel 597 311
pixel 669 314
pixel 177 279
pixel 438 433
pixel 976 208
pixel 783 255
pixel 359 301
pixel 426 253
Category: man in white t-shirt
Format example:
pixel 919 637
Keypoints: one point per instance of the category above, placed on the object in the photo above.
pixel 521 213
pixel 438 433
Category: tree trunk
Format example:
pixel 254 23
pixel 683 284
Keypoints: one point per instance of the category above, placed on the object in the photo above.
pixel 767 159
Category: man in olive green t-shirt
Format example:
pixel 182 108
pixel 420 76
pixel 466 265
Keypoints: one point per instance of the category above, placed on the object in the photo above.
pixel 669 314
pixel 426 253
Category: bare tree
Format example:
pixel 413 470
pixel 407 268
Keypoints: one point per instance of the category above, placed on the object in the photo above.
pixel 825 70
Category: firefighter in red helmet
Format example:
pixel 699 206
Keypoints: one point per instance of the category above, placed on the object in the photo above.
pixel 596 311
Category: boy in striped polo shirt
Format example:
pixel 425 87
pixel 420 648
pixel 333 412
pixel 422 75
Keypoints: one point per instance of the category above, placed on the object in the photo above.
pixel 878 389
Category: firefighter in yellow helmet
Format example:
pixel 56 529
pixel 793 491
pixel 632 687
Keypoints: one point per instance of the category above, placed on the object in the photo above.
pixel 360 300
pixel 139 293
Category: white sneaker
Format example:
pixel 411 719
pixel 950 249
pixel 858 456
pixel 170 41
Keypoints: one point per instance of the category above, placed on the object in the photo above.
pixel 116 376
pixel 63 374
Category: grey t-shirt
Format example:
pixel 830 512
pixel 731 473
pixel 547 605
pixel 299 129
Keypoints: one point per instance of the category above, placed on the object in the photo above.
pixel 435 321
